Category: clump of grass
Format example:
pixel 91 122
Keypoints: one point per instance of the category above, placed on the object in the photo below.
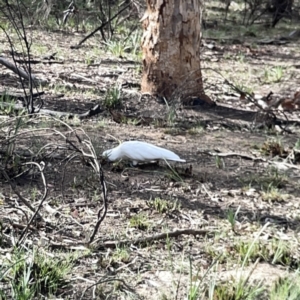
pixel 270 179
pixel 273 194
pixel 237 291
pixel 121 254
pixel 134 44
pixel 7 106
pixel 139 221
pixel 272 148
pixel 196 130
pixel 171 130
pixel 244 89
pixel 36 274
pixel 220 164
pixel 274 252
pixel 286 288
pixel 102 123
pixel 274 179
pixel 274 74
pixel 231 217
pixel 163 206
pixel 112 98
pixel 248 249
pixel 297 145
pixel 172 173
pixel 117 48
pixel 296 152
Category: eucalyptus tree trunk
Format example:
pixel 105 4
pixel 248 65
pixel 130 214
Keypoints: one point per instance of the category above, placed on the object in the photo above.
pixel 171 48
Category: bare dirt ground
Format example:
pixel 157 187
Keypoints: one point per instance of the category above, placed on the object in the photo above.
pixel 229 172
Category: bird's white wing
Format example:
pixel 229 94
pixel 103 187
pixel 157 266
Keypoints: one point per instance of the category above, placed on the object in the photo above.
pixel 141 151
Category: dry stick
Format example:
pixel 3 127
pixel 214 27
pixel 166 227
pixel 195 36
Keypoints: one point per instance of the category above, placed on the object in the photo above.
pixel 208 193
pixel 103 209
pixel 157 237
pixel 100 28
pixel 279 164
pixel 41 167
pixel 98 169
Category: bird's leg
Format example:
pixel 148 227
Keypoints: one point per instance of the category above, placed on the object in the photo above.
pixel 133 163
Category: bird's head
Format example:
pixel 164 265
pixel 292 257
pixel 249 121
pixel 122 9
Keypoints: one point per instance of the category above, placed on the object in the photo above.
pixel 106 154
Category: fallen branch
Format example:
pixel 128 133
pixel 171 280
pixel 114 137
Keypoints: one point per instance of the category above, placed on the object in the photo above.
pixel 143 241
pixel 20 72
pixel 277 164
pixel 91 112
pixel 35 61
pixel 283 165
pixel 233 154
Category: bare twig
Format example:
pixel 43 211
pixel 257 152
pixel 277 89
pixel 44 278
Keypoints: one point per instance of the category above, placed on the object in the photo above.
pixel 103 210
pixel 98 169
pixel 41 169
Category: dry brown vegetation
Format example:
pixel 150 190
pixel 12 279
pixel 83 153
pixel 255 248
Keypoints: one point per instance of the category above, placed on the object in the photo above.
pixel 224 225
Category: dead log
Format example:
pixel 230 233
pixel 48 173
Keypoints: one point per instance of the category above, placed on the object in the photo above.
pixel 20 72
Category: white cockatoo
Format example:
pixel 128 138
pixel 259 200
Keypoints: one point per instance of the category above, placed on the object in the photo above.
pixel 137 151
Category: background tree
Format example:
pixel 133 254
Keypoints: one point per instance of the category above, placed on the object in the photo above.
pixel 171 48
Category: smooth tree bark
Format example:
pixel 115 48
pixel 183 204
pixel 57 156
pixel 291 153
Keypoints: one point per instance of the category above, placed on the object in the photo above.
pixel 171 49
